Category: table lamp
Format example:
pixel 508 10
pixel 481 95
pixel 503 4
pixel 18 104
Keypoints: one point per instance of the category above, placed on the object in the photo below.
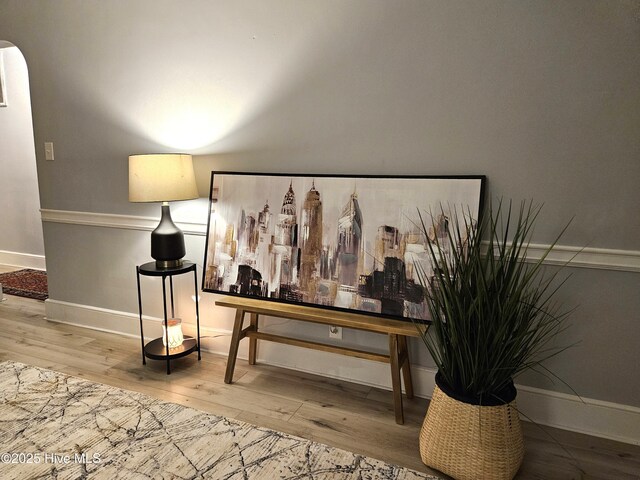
pixel 163 178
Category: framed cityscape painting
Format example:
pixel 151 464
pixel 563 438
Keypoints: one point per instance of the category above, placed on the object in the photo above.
pixel 339 242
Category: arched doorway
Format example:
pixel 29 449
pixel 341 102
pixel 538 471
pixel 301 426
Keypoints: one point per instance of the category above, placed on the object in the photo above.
pixel 21 238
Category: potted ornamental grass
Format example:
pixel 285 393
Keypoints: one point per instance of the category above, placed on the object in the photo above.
pixel 493 315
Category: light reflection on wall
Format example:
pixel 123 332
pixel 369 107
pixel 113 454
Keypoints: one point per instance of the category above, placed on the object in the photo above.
pixel 184 116
pixel 190 129
pixel 187 89
pixel 192 211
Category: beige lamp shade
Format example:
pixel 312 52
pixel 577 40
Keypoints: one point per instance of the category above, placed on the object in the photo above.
pixel 161 177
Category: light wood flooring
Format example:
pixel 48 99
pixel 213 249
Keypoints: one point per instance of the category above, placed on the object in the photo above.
pixel 345 415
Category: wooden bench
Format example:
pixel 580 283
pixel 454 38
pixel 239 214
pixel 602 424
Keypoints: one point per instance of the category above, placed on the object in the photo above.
pixel 397 330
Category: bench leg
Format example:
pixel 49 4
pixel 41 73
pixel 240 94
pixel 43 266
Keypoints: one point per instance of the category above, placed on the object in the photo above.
pixel 406 366
pixel 253 342
pixel 394 360
pixel 233 347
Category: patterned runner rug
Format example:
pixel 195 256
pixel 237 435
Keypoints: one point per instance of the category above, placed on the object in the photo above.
pixel 25 283
pixel 54 425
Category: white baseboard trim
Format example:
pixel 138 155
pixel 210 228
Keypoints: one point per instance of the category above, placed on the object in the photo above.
pixel 22 260
pixel 599 418
pixel 113 321
pixel 598 258
pixel 589 416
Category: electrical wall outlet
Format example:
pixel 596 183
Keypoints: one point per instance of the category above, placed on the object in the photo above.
pixel 335 332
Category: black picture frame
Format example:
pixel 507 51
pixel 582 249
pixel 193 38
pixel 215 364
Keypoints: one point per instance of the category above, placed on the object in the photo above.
pixel 341 242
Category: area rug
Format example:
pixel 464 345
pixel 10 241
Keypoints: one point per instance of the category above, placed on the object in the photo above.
pixel 53 425
pixel 25 283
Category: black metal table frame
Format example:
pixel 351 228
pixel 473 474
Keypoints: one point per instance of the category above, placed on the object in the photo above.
pixel 150 270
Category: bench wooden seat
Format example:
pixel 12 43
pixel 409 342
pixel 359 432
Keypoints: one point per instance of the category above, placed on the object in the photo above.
pixel 397 330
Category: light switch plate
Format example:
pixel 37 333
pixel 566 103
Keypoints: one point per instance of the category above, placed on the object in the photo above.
pixel 48 151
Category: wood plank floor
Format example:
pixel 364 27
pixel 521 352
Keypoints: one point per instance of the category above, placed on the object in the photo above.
pixel 346 415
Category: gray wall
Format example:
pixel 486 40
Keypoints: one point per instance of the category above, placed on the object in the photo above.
pixel 20 226
pixel 540 96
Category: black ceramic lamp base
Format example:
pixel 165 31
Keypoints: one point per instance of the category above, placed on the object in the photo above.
pixel 167 242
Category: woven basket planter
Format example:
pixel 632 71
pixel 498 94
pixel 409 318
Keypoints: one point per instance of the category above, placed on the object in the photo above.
pixel 471 442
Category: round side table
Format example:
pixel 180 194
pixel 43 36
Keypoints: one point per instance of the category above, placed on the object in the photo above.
pixel 155 348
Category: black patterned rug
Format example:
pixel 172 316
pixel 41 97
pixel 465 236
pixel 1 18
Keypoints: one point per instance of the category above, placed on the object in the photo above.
pixel 53 425
pixel 25 283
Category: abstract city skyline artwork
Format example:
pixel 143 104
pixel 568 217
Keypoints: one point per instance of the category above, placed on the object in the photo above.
pixel 341 242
